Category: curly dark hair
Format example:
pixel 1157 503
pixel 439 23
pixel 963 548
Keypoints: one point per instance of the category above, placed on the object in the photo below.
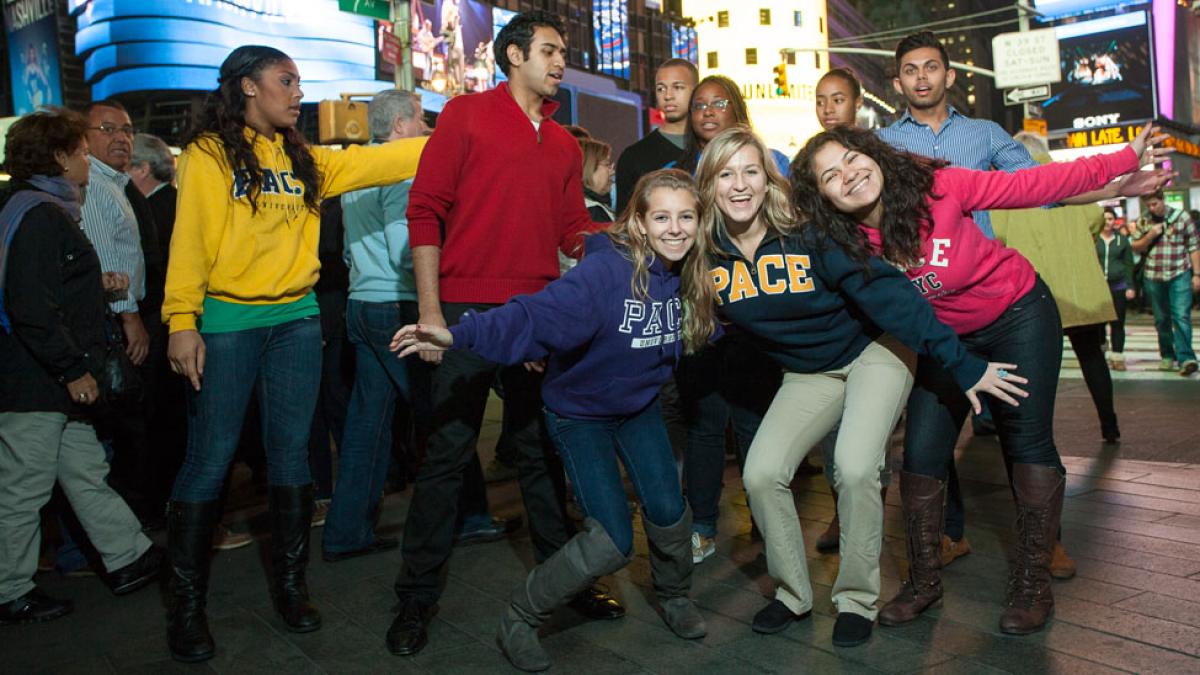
pixel 31 142
pixel 519 31
pixel 224 115
pixel 907 183
pixel 737 106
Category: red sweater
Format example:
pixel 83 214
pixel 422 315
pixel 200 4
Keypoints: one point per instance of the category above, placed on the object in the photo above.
pixel 970 279
pixel 499 197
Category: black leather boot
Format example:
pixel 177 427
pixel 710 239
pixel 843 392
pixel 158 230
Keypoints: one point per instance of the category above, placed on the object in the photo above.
pixel 291 519
pixel 189 544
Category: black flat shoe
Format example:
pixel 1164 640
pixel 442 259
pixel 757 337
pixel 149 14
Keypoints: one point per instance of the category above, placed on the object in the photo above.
pixel 407 634
pixel 137 573
pixel 851 629
pixel 378 546
pixel 34 607
pixel 595 603
pixel 775 617
pixel 495 531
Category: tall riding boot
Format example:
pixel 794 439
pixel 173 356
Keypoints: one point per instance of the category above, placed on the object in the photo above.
pixel 924 500
pixel 671 569
pixel 1029 602
pixel 291 519
pixel 588 555
pixel 189 544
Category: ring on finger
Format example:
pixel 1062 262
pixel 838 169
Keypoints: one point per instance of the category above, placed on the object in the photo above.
pixel 1001 373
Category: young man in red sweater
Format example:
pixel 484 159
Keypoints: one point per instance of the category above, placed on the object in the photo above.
pixel 497 194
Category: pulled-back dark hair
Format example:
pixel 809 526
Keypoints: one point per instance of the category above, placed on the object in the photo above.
pixel 907 182
pixel 519 31
pixel 737 106
pixel 847 76
pixel 31 142
pixel 919 40
pixel 224 115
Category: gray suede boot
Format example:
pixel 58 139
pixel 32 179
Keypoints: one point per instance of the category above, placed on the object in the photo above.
pixel 671 568
pixel 588 556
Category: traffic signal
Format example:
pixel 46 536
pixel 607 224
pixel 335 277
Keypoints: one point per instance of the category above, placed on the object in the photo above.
pixel 781 83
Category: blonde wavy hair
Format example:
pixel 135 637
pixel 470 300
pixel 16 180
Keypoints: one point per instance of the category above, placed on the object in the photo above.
pixel 629 235
pixel 776 211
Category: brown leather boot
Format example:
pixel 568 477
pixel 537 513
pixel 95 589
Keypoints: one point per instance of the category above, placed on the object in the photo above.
pixel 1061 564
pixel 1039 494
pixel 924 500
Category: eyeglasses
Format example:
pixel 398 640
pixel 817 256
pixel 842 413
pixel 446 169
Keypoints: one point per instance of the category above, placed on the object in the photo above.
pixel 715 104
pixel 108 129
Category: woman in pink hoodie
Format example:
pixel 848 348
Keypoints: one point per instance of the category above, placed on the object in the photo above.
pixel 915 212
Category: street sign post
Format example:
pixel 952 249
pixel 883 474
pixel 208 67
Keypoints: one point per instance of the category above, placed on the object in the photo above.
pixel 1019 95
pixel 1026 58
pixel 379 9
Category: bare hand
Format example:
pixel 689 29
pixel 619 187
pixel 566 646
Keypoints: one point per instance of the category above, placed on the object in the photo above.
pixel 536 366
pixel 185 351
pixel 423 338
pixel 84 390
pixel 137 340
pixel 115 282
pixel 999 387
pixel 1141 183
pixel 428 355
pixel 1148 145
pixel 1130 294
pixel 1157 230
pixel 1195 284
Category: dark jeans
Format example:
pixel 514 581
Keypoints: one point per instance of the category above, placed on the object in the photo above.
pixel 365 453
pixel 1118 326
pixel 333 399
pixel 1029 334
pixel 284 364
pixel 460 388
pixel 730 380
pixel 1088 344
pixel 589 450
pixel 1172 305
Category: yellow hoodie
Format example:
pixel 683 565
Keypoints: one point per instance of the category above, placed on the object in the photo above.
pixel 223 250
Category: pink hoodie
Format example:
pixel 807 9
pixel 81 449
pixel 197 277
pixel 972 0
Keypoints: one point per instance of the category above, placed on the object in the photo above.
pixel 969 279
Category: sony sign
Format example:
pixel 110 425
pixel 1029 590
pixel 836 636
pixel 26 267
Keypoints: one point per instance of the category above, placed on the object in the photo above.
pixel 1096 121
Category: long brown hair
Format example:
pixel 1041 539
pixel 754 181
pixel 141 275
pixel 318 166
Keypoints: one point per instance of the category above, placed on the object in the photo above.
pixel 695 284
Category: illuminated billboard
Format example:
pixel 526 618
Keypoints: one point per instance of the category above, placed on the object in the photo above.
pixel 1107 74
pixel 683 43
pixel 500 19
pixel 1054 9
pixel 609 21
pixel 452 46
pixel 32 28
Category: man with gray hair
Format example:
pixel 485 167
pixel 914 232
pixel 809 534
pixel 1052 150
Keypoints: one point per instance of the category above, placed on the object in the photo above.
pixel 152 171
pixel 383 295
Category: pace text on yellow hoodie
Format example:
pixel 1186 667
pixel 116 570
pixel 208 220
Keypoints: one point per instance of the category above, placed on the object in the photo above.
pixel 222 249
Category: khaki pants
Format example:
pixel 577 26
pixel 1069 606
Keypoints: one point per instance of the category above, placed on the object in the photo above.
pixel 867 396
pixel 36 449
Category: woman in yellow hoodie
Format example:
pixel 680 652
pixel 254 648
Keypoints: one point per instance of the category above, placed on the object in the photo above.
pixel 242 317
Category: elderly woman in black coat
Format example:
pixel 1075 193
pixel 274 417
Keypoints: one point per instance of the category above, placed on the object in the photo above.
pixel 52 345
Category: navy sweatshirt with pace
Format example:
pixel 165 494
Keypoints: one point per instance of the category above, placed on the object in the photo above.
pixel 609 351
pixel 813 309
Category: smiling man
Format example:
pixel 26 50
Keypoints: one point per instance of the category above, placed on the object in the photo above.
pixel 673 84
pixel 498 193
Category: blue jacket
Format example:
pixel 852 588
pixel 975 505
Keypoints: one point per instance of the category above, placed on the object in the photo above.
pixel 609 352
pixel 812 308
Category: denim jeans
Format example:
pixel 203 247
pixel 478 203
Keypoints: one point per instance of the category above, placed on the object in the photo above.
pixel 1029 334
pixel 363 458
pixel 333 399
pixel 589 450
pixel 731 380
pixel 283 363
pixel 459 393
pixel 1172 305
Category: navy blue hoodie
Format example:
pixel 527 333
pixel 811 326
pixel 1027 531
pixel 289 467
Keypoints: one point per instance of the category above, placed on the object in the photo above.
pixel 609 352
pixel 813 309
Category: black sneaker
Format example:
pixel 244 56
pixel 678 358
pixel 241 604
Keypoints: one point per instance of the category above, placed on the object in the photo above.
pixel 775 617
pixel 34 607
pixel 851 629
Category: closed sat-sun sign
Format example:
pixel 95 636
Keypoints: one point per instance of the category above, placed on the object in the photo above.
pixel 1022 59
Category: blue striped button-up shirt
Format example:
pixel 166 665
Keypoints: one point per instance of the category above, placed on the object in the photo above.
pixel 969 143
pixel 111 226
